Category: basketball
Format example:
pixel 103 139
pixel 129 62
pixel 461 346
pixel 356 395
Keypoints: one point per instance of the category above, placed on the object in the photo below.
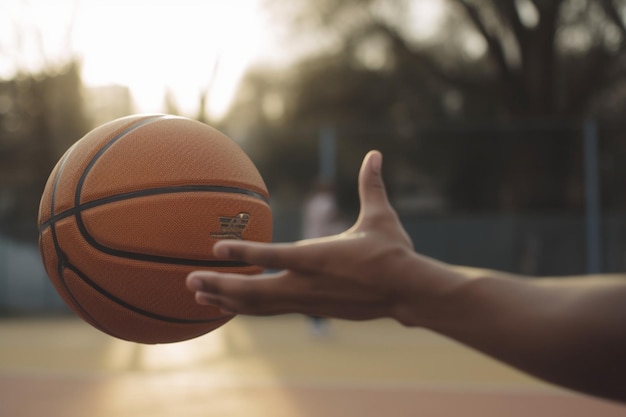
pixel 132 208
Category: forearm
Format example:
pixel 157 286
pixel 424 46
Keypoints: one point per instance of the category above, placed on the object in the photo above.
pixel 570 331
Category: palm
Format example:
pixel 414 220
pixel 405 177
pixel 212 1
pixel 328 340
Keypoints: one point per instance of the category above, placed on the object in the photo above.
pixel 344 276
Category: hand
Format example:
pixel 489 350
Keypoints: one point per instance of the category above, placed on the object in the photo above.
pixel 369 271
pixel 567 331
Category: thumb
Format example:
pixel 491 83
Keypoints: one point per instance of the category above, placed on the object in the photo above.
pixel 372 193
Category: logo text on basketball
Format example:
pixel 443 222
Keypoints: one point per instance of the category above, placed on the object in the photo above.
pixel 232 227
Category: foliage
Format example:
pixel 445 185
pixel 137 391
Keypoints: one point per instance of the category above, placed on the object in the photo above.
pixel 41 115
pixel 527 64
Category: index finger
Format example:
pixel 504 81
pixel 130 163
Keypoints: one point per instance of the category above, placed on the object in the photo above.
pixel 268 255
pixel 306 255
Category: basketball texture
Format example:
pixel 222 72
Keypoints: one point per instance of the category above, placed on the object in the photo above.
pixel 136 205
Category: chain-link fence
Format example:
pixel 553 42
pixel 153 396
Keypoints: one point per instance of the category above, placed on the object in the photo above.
pixel 24 285
pixel 542 199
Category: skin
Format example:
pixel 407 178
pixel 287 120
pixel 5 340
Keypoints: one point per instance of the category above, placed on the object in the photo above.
pixel 570 331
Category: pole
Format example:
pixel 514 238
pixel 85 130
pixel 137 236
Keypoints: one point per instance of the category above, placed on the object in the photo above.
pixel 327 154
pixel 592 198
pixel 4 275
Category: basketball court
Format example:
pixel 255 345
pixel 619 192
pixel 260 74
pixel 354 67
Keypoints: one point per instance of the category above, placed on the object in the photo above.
pixel 265 367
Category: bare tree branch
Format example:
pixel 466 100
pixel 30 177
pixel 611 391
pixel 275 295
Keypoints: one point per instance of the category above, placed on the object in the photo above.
pixel 424 61
pixel 590 82
pixel 509 80
pixel 495 47
pixel 614 16
pixel 508 11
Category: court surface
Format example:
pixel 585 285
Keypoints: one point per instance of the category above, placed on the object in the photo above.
pixel 266 367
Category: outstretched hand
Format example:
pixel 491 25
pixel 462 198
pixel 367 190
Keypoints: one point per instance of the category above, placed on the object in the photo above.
pixel 566 331
pixel 361 274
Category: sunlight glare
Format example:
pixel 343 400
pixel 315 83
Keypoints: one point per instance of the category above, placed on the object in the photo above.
pixel 127 356
pixel 185 46
pixel 33 34
pixel 426 16
pixel 182 46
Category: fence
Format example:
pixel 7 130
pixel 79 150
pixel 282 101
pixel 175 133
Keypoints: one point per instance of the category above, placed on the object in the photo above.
pixel 532 244
pixel 591 238
pixel 24 286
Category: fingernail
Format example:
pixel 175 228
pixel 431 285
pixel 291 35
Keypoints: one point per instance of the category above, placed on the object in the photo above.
pixel 376 162
pixel 194 283
pixel 206 299
pixel 221 251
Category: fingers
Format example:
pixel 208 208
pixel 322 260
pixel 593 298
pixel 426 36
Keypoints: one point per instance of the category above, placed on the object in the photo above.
pixel 306 255
pixel 372 192
pixel 280 293
pixel 240 294
pixel 272 256
pixel 371 187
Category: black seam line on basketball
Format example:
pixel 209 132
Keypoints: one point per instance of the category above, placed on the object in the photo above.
pixel 136 309
pixel 127 254
pixel 68 153
pixel 62 260
pixel 121 135
pixel 63 263
pixel 111 142
pixel 56 178
pixel 154 258
pixel 152 192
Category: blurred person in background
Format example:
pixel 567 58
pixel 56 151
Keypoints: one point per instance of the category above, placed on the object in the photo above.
pixel 321 217
pixel 570 331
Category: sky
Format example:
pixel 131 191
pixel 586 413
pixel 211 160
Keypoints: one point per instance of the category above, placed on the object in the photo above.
pixel 149 46
pixel 153 46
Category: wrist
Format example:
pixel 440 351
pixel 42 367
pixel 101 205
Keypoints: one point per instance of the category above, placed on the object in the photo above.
pixel 428 297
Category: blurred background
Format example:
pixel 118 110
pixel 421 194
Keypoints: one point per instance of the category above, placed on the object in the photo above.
pixel 502 122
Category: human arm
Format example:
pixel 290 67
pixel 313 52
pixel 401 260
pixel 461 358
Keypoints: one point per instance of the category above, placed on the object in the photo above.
pixel 568 331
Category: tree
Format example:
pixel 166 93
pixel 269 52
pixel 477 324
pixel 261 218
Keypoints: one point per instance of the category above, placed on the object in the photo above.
pixel 521 63
pixel 43 116
pixel 534 51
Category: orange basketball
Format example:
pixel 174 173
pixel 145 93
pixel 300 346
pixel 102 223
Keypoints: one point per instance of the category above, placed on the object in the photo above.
pixel 136 205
